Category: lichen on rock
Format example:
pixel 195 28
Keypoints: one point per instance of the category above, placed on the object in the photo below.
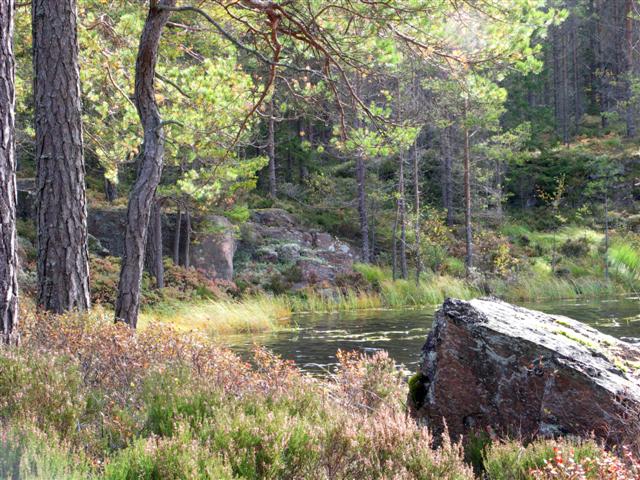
pixel 491 366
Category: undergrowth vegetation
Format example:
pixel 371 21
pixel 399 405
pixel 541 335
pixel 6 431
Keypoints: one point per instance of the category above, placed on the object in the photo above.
pixel 83 398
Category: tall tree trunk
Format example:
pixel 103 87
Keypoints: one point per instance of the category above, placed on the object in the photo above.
pixel 447 183
pixel 606 231
pixel 416 206
pixel 154 245
pixel 628 48
pixel 565 92
pixel 63 260
pixel 467 194
pixel 373 208
pixel 271 151
pixel 176 237
pixel 499 195
pixel 362 208
pixel 150 171
pixel 403 220
pixel 394 244
pixel 8 242
pixel 187 240
pixel 577 99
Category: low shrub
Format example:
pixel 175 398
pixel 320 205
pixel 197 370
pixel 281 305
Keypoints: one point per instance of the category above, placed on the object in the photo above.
pixel 510 460
pixel 85 398
pixel 575 248
pixel 159 404
pixel 28 453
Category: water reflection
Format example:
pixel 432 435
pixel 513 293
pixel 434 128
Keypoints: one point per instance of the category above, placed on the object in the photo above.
pixel 402 333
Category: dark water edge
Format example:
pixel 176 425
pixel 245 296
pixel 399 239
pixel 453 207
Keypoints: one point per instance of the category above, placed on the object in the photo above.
pixel 317 338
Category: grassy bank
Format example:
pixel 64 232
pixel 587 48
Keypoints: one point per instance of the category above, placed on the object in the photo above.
pixel 530 266
pixel 254 314
pixel 218 317
pixel 83 398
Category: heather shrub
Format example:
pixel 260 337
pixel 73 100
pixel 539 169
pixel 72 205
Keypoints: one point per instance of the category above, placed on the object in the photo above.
pixel 27 453
pixel 176 458
pixel 41 388
pixel 181 284
pixel 98 400
pixel 564 464
pixel 578 247
pixel 511 460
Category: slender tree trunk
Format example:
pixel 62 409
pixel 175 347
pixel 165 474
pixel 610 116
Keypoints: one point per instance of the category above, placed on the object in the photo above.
pixel 187 240
pixel 606 232
pixel 150 171
pixel 362 208
pixel 467 194
pixel 271 151
pixel 63 260
pixel 628 35
pixel 447 184
pixel 373 208
pixel 403 220
pixel 154 245
pixel 8 241
pixel 499 213
pixel 110 190
pixel 565 92
pixel 289 173
pixel 577 100
pixel 416 206
pixel 176 237
pixel 394 244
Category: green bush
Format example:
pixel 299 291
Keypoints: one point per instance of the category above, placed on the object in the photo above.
pixel 28 454
pixel 575 248
pixel 44 389
pixel 373 274
pixel 511 460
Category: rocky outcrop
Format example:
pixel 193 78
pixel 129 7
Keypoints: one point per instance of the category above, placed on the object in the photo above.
pixel 491 366
pixel 275 252
pixel 274 243
pixel 213 250
pixel 107 225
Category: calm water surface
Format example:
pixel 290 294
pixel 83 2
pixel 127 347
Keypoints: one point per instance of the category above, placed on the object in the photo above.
pixel 313 345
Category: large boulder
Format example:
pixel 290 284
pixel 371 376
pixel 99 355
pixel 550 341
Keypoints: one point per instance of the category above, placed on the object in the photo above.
pixel 489 366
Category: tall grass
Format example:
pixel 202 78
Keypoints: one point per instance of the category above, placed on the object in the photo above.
pixel 528 288
pixel 335 302
pixel 250 315
pixel 624 260
pixel 432 291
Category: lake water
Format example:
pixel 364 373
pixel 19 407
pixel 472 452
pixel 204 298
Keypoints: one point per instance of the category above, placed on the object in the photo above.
pixel 313 345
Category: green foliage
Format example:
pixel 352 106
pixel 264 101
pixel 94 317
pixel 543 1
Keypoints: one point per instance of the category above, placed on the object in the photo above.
pixel 575 248
pixel 513 461
pixel 29 454
pixel 186 408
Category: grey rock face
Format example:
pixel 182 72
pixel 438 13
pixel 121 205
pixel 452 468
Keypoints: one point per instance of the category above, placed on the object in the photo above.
pixel 213 251
pixel 276 237
pixel 489 365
